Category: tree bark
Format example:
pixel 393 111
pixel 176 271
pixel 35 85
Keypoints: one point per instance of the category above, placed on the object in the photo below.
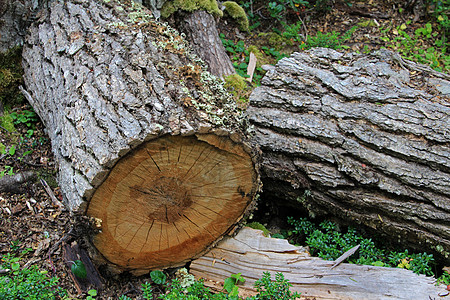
pixel 349 136
pixel 201 32
pixel 15 18
pixel 147 141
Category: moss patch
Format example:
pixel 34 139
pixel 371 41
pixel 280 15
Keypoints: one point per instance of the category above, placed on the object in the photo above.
pixel 259 226
pixel 239 88
pixel 191 5
pixel 261 57
pixel 237 13
pixel 276 41
pixel 7 122
pixel 11 76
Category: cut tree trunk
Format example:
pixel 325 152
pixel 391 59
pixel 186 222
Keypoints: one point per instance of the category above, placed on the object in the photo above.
pixel 201 32
pixel 251 254
pixel 350 136
pixel 147 141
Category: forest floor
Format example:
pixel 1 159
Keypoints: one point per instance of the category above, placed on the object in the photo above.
pixel 32 225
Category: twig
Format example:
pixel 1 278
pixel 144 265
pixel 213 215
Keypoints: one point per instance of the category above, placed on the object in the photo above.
pixel 31 261
pixel 51 194
pixel 344 256
pixel 56 245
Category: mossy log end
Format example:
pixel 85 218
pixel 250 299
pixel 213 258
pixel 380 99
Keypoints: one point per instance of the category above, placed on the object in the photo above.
pixel 355 137
pixel 147 141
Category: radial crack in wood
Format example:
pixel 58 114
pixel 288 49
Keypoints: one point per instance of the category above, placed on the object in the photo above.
pixel 170 200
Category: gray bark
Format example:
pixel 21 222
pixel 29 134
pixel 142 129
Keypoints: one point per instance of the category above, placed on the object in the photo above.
pixel 201 32
pixel 104 78
pixel 352 136
pixel 15 18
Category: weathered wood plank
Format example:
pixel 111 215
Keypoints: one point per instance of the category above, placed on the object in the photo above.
pixel 251 253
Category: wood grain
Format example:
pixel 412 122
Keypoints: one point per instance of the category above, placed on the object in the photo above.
pixel 170 200
pixel 251 253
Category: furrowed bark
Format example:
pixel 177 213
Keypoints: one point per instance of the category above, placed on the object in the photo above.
pixel 147 141
pixel 201 31
pixel 350 136
pixel 15 17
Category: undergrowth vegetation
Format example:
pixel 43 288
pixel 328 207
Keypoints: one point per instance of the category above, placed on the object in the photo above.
pixel 289 31
pixel 17 282
pixel 327 241
pixel 21 282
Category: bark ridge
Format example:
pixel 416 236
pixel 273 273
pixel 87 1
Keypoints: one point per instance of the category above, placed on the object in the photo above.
pixel 350 135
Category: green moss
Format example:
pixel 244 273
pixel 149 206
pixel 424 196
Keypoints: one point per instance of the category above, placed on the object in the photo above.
pixel 261 57
pixel 276 41
pixel 259 226
pixel 11 76
pixel 238 87
pixel 367 23
pixel 2 148
pixel 237 12
pixel 190 5
pixel 235 82
pixel 7 122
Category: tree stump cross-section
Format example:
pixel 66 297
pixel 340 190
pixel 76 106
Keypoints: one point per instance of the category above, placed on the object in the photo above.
pixel 170 200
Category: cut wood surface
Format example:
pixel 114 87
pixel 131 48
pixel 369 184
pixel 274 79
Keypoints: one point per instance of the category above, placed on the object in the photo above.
pixel 171 200
pixel 147 141
pixel 251 253
pixel 362 138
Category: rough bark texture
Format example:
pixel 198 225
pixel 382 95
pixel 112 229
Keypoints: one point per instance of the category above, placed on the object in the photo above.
pixel 201 31
pixel 348 135
pixel 144 136
pixel 250 253
pixel 15 17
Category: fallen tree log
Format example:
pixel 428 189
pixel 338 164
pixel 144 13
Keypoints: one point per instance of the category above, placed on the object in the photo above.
pixel 147 141
pixel 251 253
pixel 350 136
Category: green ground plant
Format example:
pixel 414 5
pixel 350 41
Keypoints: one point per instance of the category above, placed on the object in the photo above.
pixel 26 117
pixel 333 40
pixel 411 45
pixel 267 288
pixel 328 242
pixel 27 283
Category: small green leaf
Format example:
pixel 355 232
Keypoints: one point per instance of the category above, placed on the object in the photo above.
pixel 234 292
pixel 378 263
pixel 15 266
pixel 78 269
pixel 12 150
pixel 229 284
pixel 158 277
pixel 92 293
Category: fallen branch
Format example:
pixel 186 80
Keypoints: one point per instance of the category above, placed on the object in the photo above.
pixel 13 184
pixel 51 194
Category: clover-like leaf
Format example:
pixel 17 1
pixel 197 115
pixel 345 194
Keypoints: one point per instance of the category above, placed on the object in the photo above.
pixel 78 269
pixel 158 277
